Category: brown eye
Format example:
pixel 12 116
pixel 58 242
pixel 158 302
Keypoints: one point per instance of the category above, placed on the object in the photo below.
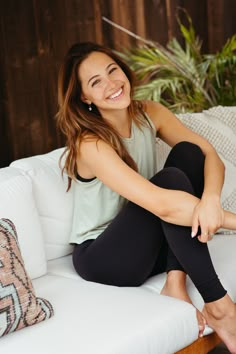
pixel 112 69
pixel 95 82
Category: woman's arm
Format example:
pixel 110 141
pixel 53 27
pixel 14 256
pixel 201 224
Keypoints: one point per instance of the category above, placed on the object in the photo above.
pixel 208 213
pixel 173 206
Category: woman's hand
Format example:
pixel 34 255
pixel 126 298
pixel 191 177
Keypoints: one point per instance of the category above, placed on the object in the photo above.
pixel 209 215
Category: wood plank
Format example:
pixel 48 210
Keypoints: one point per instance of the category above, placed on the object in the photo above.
pixel 47 19
pixel 199 18
pixel 19 39
pixel 156 21
pixel 34 38
pixel 202 345
pixel 140 21
pixel 119 10
pixel 221 22
pixel 98 21
pixel 172 23
pixel 5 149
pixel 215 28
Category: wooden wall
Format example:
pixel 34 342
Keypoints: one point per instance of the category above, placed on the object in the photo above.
pixel 35 34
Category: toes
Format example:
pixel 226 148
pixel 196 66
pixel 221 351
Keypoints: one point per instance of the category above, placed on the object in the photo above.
pixel 201 323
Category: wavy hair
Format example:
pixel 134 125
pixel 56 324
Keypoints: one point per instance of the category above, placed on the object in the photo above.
pixel 76 121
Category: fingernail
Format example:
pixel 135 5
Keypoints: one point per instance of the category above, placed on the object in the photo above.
pixel 193 234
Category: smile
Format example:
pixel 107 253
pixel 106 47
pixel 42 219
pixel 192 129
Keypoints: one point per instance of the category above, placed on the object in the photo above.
pixel 116 94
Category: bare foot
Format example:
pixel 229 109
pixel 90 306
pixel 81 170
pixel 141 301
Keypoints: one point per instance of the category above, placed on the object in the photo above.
pixel 221 316
pixel 178 291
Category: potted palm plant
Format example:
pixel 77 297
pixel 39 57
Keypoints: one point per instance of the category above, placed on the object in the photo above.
pixel 181 77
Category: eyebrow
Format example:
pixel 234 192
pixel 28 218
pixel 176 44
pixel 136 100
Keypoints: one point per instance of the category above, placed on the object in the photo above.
pixel 108 66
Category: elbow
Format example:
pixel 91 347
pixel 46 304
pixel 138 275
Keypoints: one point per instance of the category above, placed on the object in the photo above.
pixel 164 212
pixel 223 166
pixel 162 204
pixel 168 215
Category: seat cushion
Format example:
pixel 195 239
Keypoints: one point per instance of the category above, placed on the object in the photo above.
pixel 93 318
pixel 222 250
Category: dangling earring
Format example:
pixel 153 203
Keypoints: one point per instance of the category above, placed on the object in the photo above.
pixel 90 108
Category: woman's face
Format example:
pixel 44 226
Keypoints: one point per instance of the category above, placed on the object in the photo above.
pixel 104 83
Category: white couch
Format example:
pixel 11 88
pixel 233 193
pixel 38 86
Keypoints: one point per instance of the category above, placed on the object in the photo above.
pixel 92 318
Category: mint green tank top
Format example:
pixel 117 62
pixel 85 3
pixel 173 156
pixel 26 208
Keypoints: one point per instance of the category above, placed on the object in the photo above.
pixel 96 205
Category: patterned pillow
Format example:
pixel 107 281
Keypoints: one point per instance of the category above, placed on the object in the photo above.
pixel 19 306
pixel 218 126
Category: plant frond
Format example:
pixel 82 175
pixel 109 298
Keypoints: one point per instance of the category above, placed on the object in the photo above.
pixel 180 77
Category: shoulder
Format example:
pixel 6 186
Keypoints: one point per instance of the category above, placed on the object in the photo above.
pixel 94 151
pixel 156 112
pixel 152 106
pixel 90 150
pixel 91 146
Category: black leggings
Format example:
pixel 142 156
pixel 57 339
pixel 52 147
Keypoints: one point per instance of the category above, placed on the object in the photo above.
pixel 137 244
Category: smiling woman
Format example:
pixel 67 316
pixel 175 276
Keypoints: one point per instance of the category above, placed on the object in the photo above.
pixel 130 221
pixel 95 87
pixel 105 85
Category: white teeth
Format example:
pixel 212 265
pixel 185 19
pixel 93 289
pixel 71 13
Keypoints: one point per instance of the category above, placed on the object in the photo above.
pixel 116 94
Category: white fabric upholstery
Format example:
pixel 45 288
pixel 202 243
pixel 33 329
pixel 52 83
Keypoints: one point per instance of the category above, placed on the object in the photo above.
pixel 92 318
pixel 222 249
pixel 218 126
pixel 17 204
pixel 53 203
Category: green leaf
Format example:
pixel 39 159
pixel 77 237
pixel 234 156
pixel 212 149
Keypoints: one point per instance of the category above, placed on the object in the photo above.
pixel 181 77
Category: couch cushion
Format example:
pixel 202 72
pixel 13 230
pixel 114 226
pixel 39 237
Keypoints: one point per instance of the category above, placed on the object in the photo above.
pixel 93 318
pixel 19 306
pixel 54 204
pixel 222 250
pixel 17 203
pixel 218 126
pixel 63 267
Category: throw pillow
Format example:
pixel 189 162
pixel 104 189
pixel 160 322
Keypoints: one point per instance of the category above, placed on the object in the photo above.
pixel 19 306
pixel 218 126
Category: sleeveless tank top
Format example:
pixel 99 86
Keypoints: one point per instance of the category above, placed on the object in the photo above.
pixel 96 205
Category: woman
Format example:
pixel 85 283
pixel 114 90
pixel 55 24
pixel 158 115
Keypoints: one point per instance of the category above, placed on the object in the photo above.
pixel 129 221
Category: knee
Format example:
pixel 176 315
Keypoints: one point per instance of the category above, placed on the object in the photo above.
pixel 187 151
pixel 172 178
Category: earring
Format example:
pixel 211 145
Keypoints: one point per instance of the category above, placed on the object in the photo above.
pixel 90 108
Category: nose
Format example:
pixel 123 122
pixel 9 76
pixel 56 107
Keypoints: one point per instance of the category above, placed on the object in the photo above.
pixel 110 83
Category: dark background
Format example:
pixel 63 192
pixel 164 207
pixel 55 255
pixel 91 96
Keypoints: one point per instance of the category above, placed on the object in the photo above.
pixel 35 34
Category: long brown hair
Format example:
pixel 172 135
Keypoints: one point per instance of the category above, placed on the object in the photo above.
pixel 73 117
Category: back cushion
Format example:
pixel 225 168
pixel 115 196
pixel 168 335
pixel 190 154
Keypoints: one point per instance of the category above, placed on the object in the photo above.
pixel 54 204
pixel 218 126
pixel 17 203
